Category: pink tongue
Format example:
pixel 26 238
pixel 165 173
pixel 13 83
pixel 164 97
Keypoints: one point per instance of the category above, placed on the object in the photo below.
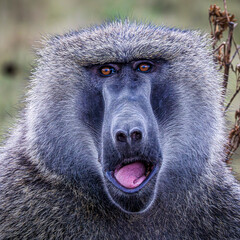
pixel 131 175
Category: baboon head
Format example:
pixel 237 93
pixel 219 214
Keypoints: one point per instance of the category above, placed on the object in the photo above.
pixel 125 109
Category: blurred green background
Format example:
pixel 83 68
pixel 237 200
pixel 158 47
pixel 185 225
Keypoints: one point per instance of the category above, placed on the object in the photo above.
pixel 24 22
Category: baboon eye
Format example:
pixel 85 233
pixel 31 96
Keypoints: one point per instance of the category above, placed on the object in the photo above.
pixel 144 67
pixel 107 71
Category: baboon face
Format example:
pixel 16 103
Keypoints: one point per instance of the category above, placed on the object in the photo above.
pixel 130 142
pixel 125 109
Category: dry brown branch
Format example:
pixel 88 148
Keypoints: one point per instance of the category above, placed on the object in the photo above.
pixel 225 8
pixel 227 55
pixel 219 47
pixel 220 22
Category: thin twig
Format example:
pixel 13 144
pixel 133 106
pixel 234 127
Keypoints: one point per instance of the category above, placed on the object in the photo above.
pixel 222 44
pixel 236 46
pixel 225 8
pixel 210 23
pixel 234 95
pixel 227 56
pixel 237 51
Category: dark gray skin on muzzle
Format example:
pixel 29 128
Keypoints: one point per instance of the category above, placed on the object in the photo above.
pixel 130 129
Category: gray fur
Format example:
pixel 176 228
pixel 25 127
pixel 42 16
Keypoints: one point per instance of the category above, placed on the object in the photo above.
pixel 52 184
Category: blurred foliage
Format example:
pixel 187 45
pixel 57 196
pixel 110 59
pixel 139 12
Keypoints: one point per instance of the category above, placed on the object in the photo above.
pixel 23 22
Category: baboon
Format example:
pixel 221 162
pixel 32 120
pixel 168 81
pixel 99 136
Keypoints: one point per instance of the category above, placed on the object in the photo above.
pixel 121 138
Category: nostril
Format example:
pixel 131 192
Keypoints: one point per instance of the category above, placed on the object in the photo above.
pixel 136 135
pixel 121 136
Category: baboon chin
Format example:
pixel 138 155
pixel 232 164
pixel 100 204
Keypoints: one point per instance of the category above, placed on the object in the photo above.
pixel 121 138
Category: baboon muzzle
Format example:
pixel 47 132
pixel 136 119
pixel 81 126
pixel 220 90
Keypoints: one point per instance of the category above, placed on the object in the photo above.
pixel 133 134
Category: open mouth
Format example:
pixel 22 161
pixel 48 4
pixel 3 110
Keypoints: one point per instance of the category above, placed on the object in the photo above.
pixel 131 176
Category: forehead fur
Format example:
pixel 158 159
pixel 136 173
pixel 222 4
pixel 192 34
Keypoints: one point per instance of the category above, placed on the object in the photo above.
pixel 124 41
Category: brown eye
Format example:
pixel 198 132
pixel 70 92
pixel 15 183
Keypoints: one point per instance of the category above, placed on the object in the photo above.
pixel 144 67
pixel 106 71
